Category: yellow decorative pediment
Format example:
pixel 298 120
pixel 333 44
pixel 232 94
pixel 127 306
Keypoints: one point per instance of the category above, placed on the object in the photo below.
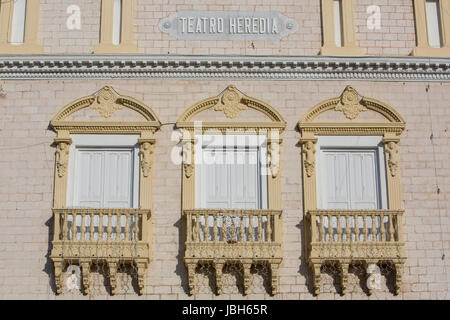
pixel 106 102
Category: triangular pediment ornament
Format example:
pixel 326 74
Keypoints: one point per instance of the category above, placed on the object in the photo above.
pixel 106 102
pixel 350 103
pixel 231 102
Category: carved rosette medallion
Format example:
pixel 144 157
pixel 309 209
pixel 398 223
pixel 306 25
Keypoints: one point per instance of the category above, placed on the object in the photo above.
pixel 350 103
pixel 230 103
pixel 106 102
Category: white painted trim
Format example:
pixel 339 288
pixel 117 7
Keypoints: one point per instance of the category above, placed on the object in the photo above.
pixel 348 143
pixel 102 141
pixel 372 68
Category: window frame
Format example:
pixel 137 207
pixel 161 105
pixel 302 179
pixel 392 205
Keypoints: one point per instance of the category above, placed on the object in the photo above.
pixel 261 148
pixel 127 42
pixel 102 142
pixel 353 143
pixel 423 47
pixel 30 43
pixel 349 45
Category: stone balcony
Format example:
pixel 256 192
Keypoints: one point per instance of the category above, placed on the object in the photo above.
pixel 243 237
pixel 84 236
pixel 345 237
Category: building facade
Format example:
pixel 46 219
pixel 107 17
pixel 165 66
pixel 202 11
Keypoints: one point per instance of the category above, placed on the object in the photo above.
pixel 224 150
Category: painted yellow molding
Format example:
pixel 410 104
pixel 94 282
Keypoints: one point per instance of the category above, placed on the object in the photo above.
pixel 389 248
pixel 238 249
pixel 31 43
pixel 127 41
pixel 423 47
pixel 349 45
pixel 136 247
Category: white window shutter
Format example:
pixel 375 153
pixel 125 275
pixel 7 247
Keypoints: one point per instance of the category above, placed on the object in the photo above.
pixel 335 180
pixel 363 181
pixel 89 179
pixel 350 180
pixel 118 179
pixel 104 179
pixel 244 180
pixel 216 182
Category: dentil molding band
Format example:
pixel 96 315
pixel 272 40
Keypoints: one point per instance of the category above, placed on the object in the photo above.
pixel 224 67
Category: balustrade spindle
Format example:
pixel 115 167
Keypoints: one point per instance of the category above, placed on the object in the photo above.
pixel 65 227
pixel 127 226
pixel 136 227
pixel 74 226
pixel 215 229
pixel 109 228
pixel 206 229
pixel 391 228
pixel 259 227
pixel 197 227
pixel 83 227
pixel 269 228
pixel 374 228
pixel 339 228
pixel 382 228
pixel 100 226
pixel 241 229
pixel 233 228
pixel 250 227
pixel 224 229
pixel 321 236
pixel 330 228
pixel 356 227
pixel 91 227
pixel 347 228
pixel 366 233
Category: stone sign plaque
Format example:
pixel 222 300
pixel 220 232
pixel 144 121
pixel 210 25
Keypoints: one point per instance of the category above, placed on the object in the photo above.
pixel 228 25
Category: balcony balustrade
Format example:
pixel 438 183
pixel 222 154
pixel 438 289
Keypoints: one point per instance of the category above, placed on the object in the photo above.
pixel 85 236
pixel 245 237
pixel 354 236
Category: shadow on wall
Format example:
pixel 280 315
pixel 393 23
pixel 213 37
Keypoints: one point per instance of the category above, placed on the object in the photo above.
pixel 48 267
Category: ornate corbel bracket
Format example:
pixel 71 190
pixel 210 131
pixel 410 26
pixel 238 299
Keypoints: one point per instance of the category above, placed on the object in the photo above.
pixel 142 272
pixel 62 155
pixel 146 155
pixel 85 269
pixel 309 157
pixel 188 157
pixel 273 155
pixel 113 276
pixel 392 154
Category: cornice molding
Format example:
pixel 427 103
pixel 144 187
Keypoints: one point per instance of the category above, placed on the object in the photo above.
pixel 364 68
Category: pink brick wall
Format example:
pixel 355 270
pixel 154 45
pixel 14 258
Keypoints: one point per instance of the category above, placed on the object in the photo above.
pixel 27 168
pixel 396 36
